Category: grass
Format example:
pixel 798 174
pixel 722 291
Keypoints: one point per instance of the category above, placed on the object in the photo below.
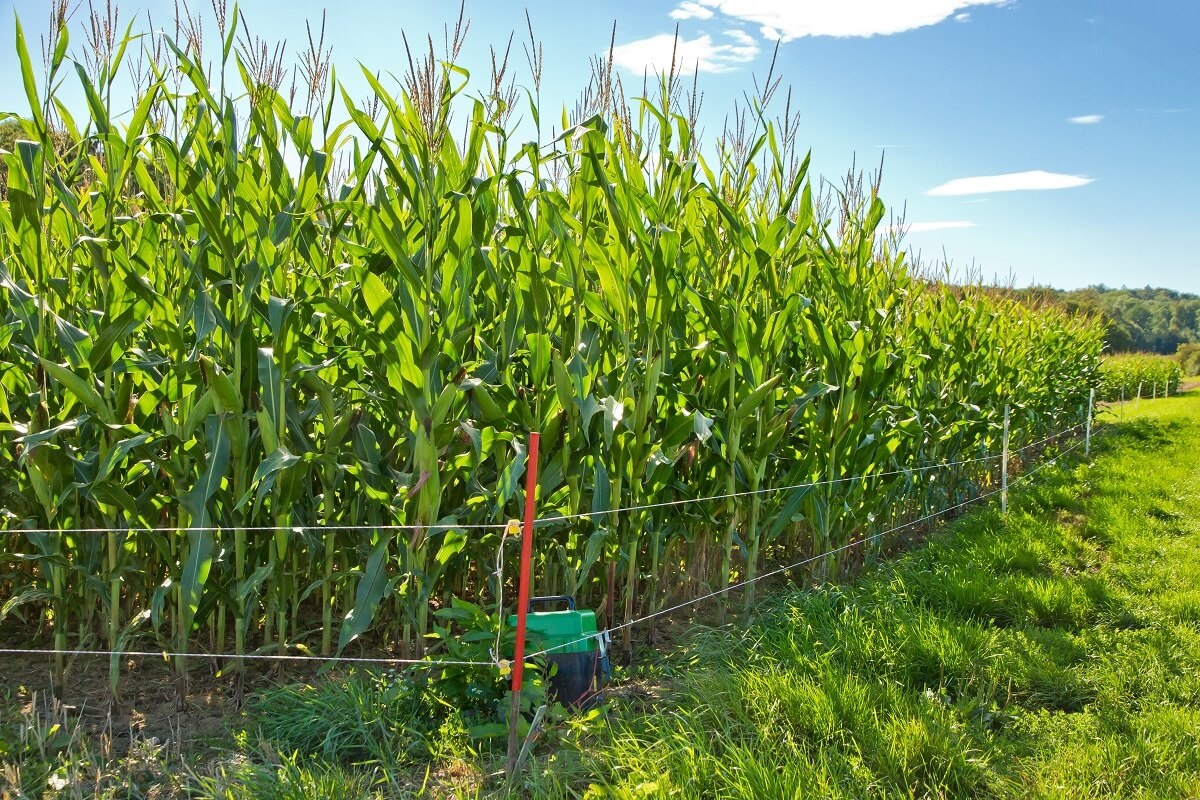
pixel 1055 653
pixel 1052 653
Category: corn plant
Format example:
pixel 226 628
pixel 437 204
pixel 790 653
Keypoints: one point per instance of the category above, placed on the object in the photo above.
pixel 1131 376
pixel 284 353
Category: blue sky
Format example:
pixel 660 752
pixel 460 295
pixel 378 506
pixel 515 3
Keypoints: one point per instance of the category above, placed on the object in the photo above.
pixel 1042 141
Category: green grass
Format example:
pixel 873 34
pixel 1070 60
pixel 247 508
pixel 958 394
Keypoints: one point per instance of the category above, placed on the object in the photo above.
pixel 1055 653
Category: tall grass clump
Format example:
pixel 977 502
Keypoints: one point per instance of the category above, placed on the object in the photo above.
pixel 1188 356
pixel 239 307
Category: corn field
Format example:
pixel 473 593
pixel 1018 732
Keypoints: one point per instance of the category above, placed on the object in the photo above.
pixel 235 308
pixel 1134 375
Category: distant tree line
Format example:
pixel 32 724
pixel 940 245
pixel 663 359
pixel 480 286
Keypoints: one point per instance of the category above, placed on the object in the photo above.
pixel 12 130
pixel 1148 320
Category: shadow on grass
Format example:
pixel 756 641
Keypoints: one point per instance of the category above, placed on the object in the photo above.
pixel 977 665
pixel 1145 432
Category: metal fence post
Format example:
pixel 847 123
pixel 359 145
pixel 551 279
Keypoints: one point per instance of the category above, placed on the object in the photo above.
pixel 1004 467
pixel 1087 439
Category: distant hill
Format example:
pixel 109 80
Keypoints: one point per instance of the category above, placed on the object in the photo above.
pixel 1148 320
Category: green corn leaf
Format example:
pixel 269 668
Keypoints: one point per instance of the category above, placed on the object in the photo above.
pixel 81 388
pixel 270 382
pixel 372 586
pixel 453 542
pixel 27 78
pixel 31 441
pixel 267 473
pixel 94 101
pixel 212 470
pixel 196 568
pixel 750 404
pixel 118 452
pixel 225 394
pixel 614 413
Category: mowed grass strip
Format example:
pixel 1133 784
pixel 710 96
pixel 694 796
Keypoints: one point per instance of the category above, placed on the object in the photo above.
pixel 1055 653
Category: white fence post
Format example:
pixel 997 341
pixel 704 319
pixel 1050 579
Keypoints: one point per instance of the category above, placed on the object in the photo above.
pixel 1004 467
pixel 1087 438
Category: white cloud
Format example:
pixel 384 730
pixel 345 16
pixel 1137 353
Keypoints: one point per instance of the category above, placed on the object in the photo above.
pixel 743 37
pixel 690 10
pixel 1087 119
pixel 654 54
pixel 792 19
pixel 1033 180
pixel 963 17
pixel 944 225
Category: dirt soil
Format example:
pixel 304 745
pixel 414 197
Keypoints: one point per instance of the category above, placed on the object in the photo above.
pixel 149 706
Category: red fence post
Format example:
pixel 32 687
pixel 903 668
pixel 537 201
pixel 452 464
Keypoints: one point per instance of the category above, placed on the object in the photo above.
pixel 518 667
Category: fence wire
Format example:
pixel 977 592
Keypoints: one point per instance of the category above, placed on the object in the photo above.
pixel 510 534
pixel 809 560
pixel 167 655
pixel 319 529
pixel 770 490
pixel 543 521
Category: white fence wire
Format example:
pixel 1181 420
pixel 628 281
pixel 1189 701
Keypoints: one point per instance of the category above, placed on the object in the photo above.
pixel 434 663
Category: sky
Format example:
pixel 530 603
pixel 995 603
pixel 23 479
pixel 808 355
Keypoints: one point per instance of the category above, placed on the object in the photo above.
pixel 1033 142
